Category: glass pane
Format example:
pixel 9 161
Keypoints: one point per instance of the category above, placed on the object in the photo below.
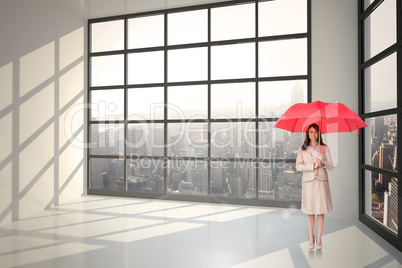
pixel 107 70
pixel 145 139
pixel 233 100
pixel 233 61
pixel 282 58
pixel 145 103
pixel 233 22
pixel 380 29
pixel 276 97
pixel 188 177
pixel 381 202
pixel 282 17
pixel 107 104
pixel 381 141
pixel 145 175
pixel 279 181
pixel 107 139
pixel 188 27
pixel 188 140
pixel 189 64
pixel 146 32
pixel 106 173
pixel 233 179
pixel 188 102
pixel 277 143
pixel 107 36
pixel 233 140
pixel 147 67
pixel 380 85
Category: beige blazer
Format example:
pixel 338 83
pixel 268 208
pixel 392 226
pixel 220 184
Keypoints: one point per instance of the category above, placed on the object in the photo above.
pixel 305 163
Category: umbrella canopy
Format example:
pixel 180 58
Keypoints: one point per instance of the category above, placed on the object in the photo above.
pixel 330 117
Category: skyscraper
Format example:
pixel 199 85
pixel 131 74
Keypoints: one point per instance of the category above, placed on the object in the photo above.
pixel 157 140
pixel 385 158
pixel 96 181
pixel 199 176
pixel 395 163
pixel 136 138
pixel 217 178
pixel 297 95
pixel 236 189
pixel 176 176
pixel 378 128
pixel 375 161
pixel 393 205
pixel 266 182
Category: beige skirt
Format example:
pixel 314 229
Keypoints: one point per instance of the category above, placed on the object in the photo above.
pixel 316 197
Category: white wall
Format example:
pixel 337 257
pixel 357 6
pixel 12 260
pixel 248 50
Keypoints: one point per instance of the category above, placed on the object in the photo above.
pixel 42 70
pixel 335 78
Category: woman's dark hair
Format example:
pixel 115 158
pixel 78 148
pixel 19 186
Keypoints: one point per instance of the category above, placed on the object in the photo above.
pixel 307 140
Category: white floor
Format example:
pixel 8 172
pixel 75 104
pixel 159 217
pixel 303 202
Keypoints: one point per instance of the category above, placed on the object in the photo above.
pixel 122 232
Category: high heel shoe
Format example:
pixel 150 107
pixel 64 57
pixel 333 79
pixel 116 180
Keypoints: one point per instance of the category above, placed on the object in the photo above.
pixel 312 246
pixel 319 247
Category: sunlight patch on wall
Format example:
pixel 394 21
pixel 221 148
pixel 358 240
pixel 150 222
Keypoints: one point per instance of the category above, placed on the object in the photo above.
pixel 74 186
pixel 31 201
pixel 36 111
pixel 6 127
pixel 6 85
pixel 35 157
pixel 71 47
pixel 67 127
pixel 69 160
pixel 36 67
pixel 71 84
pixel 6 191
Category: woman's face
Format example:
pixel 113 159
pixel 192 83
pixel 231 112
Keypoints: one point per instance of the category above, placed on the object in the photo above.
pixel 313 134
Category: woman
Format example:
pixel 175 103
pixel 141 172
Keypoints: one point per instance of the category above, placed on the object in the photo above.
pixel 314 159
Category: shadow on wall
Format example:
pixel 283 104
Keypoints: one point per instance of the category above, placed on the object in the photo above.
pixel 41 78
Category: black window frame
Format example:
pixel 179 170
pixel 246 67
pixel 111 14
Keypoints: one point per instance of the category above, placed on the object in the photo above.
pixel 393 238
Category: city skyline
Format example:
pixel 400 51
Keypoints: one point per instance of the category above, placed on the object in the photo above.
pixel 233 179
pixel 382 145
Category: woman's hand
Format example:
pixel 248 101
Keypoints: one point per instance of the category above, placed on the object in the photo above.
pixel 317 163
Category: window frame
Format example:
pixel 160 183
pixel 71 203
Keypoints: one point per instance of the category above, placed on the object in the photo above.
pixel 385 232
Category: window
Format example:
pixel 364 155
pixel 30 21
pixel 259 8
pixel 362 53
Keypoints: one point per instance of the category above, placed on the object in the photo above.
pixel 183 102
pixel 380 107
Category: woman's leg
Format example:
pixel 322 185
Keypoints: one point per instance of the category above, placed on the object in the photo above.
pixel 320 226
pixel 310 223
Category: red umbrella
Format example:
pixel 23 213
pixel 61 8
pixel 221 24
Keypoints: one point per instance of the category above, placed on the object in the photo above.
pixel 330 117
